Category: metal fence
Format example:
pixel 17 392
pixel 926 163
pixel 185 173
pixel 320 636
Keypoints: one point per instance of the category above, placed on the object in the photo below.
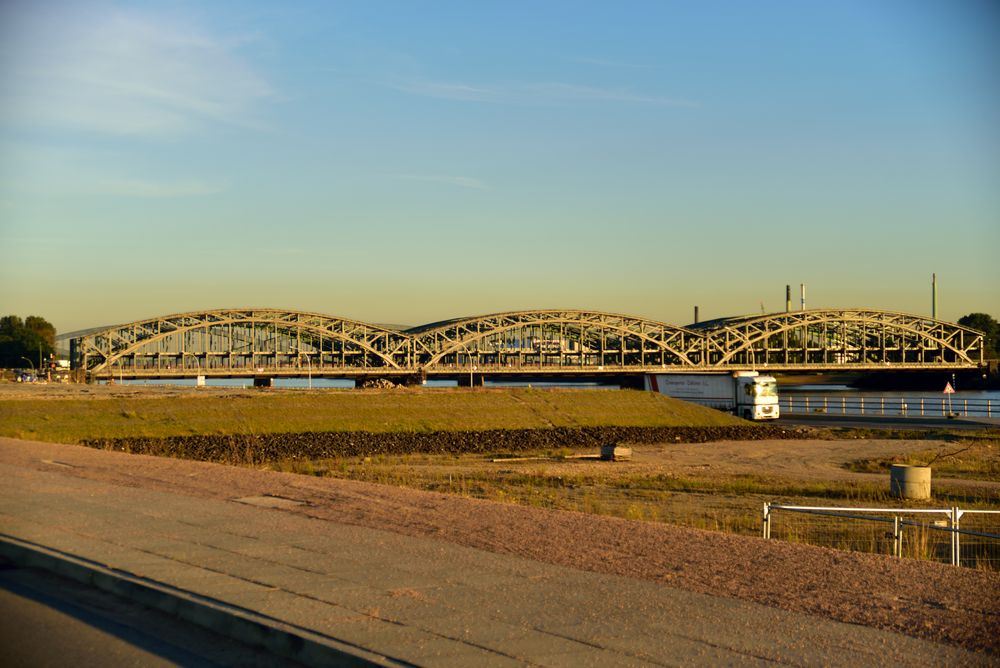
pixel 894 406
pixel 960 537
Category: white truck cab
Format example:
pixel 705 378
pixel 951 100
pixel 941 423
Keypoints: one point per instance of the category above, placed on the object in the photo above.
pixel 757 396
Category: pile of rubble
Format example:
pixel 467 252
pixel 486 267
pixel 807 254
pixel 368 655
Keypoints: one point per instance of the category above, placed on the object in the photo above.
pixel 378 384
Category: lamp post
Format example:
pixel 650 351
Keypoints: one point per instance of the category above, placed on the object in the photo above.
pixel 309 366
pixel 31 363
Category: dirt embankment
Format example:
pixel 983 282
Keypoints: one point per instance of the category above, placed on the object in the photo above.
pixel 254 448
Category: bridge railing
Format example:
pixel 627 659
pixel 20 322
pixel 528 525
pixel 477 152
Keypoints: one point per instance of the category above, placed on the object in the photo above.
pixel 899 406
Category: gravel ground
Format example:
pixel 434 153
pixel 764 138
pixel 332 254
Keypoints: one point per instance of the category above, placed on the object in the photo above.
pixel 925 600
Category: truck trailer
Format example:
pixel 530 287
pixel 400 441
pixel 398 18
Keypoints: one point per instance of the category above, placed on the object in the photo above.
pixel 744 393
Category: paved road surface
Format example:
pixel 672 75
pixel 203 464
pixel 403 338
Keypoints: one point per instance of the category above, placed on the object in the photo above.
pixel 46 620
pixel 419 600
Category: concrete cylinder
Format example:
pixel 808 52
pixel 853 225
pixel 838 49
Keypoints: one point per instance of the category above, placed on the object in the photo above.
pixel 910 482
pixel 615 453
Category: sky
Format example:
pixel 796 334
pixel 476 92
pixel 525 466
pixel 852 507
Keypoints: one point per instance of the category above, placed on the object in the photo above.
pixel 407 162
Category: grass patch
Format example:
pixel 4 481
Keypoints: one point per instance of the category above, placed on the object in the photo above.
pixel 970 459
pixel 851 433
pixel 71 420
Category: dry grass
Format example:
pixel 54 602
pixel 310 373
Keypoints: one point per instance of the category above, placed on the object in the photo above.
pixel 730 503
pixel 977 459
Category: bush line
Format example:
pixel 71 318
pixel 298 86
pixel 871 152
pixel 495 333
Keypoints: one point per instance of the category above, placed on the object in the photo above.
pixel 260 448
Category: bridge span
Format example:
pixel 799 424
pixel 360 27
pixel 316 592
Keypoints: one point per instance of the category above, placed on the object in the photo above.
pixel 231 343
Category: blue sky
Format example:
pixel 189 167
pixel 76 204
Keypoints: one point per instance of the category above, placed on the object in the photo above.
pixel 407 162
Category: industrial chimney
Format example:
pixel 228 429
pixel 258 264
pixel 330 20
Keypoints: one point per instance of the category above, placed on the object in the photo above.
pixel 934 296
pixel 802 293
pixel 788 298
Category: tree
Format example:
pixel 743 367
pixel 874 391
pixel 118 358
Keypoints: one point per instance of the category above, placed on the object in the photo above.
pixel 42 327
pixel 19 339
pixel 988 326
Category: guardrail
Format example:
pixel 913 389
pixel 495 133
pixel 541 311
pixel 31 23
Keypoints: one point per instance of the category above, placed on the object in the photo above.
pixel 893 406
pixel 983 550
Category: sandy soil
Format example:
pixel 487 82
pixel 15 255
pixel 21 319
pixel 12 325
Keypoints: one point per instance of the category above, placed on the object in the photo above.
pixel 806 459
pixel 925 600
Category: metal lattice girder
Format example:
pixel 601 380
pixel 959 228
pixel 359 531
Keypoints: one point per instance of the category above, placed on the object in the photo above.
pixel 841 337
pixel 556 338
pixel 245 341
pixel 241 338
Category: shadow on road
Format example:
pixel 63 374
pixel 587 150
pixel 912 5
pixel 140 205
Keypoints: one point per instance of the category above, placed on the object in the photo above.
pixel 47 620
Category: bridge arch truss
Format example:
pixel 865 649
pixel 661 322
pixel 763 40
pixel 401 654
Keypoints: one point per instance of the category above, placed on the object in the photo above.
pixel 240 341
pixel 841 338
pixel 244 342
pixel 555 339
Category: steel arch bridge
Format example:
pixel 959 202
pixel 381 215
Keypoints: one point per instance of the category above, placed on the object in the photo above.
pixel 840 339
pixel 239 342
pixel 275 342
pixel 561 339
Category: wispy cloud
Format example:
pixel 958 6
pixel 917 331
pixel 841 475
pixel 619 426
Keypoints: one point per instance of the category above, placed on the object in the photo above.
pixel 459 181
pixel 451 91
pixel 603 62
pixel 124 73
pixel 535 93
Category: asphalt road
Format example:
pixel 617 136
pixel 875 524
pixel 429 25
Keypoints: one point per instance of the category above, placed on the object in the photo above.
pixel 46 620
pixel 888 422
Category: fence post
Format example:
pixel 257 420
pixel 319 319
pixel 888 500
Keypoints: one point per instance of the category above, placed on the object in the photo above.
pixel 897 538
pixel 843 405
pixel 806 410
pixel 862 405
pixel 766 528
pixel 956 556
pixel 881 402
pixel 921 406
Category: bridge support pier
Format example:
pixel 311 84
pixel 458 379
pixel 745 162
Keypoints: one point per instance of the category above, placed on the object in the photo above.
pixel 472 380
